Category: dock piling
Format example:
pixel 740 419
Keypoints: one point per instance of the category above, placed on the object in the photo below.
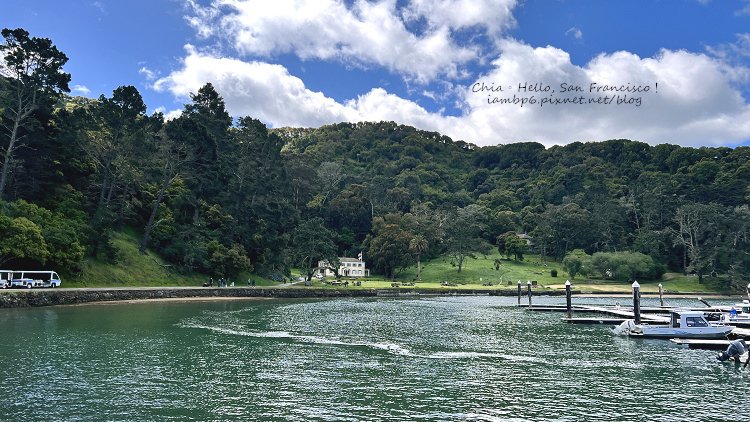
pixel 661 295
pixel 568 299
pixel 519 292
pixel 637 302
pixel 528 288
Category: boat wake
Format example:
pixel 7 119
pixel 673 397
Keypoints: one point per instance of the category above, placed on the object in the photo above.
pixel 474 355
pixel 388 347
pixel 391 348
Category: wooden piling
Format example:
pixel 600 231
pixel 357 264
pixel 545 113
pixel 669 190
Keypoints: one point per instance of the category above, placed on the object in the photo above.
pixel 661 295
pixel 519 292
pixel 528 289
pixel 637 302
pixel 568 299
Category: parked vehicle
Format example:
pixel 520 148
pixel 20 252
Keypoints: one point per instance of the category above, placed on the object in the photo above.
pixel 29 279
pixel 5 277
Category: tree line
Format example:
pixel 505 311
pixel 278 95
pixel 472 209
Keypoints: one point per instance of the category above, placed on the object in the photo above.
pixel 216 194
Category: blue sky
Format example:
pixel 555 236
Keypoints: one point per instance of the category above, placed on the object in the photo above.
pixel 308 63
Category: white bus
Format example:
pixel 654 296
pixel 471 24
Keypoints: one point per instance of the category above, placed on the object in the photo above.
pixel 29 279
pixel 5 277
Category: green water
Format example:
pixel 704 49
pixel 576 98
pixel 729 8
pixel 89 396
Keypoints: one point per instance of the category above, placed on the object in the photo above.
pixel 448 358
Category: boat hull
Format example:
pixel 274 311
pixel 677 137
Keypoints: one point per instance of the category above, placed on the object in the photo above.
pixel 694 333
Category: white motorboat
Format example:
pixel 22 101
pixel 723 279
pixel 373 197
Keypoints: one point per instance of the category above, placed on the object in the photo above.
pixel 683 324
pixel 738 315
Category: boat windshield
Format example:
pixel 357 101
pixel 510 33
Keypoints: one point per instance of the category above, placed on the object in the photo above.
pixel 695 322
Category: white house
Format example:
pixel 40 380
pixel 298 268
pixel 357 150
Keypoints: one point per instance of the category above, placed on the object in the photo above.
pixel 348 267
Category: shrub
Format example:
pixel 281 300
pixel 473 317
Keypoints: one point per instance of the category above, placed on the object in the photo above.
pixel 575 262
pixel 553 272
pixel 625 265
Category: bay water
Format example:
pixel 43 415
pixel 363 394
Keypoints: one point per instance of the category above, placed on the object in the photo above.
pixel 392 359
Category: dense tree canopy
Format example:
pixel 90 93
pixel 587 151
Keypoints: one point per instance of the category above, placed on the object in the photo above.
pixel 221 195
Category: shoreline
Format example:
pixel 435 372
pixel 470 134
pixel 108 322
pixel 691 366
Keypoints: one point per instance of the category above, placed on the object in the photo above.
pixel 54 297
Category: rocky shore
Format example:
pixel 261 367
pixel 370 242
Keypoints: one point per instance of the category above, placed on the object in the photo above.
pixel 50 297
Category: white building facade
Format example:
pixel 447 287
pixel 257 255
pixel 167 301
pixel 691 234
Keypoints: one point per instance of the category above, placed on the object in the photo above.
pixel 348 267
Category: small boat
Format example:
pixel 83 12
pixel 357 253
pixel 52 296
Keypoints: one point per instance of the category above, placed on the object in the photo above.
pixel 738 315
pixel 683 324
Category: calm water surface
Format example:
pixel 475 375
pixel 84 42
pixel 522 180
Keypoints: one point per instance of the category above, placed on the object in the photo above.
pixel 447 358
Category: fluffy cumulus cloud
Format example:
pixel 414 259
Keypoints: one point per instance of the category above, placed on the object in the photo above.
pixel 363 33
pixel 80 89
pixel 262 90
pixel 691 108
pixel 696 107
pixel 419 41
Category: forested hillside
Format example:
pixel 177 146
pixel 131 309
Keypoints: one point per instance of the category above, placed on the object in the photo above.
pixel 222 194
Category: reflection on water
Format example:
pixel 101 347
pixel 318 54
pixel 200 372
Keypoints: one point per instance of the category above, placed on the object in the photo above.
pixel 445 358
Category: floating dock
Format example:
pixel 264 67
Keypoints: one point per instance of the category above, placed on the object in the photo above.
pixel 616 315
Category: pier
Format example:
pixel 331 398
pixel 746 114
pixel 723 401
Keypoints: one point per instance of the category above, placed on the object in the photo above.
pixel 654 316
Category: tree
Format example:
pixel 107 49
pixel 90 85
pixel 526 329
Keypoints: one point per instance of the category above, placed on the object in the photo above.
pixel 417 245
pixel 388 246
pixel 510 244
pixel 111 139
pixel 624 265
pixel 699 233
pixel 463 235
pixel 227 262
pixel 168 163
pixel 258 194
pixel 205 128
pixel 575 262
pixel 32 70
pixel 564 227
pixel 738 248
pixel 312 242
pixel 63 236
pixel 330 175
pixel 21 239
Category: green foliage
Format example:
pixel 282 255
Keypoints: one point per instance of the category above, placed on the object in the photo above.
pixel 201 190
pixel 21 239
pixel 512 245
pixel 463 234
pixel 131 268
pixel 62 236
pixel 312 242
pixel 575 262
pixel 227 262
pixel 625 266
pixel 32 77
pixel 388 248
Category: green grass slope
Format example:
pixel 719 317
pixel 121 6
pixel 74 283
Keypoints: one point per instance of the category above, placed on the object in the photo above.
pixel 131 269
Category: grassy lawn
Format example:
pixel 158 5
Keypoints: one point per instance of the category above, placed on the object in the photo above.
pixel 134 269
pixel 478 272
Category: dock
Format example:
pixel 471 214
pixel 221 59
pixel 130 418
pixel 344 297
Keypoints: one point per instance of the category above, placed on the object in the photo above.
pixel 651 316
pixel 702 344
pixel 647 314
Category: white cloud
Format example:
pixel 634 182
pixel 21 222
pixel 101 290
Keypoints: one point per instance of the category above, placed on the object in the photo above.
pixel 575 33
pixel 168 115
pixel 696 107
pixel 364 33
pixel 494 15
pixel 149 74
pixel 744 10
pixel 262 90
pixel 80 89
pixel 100 7
pixel 691 108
